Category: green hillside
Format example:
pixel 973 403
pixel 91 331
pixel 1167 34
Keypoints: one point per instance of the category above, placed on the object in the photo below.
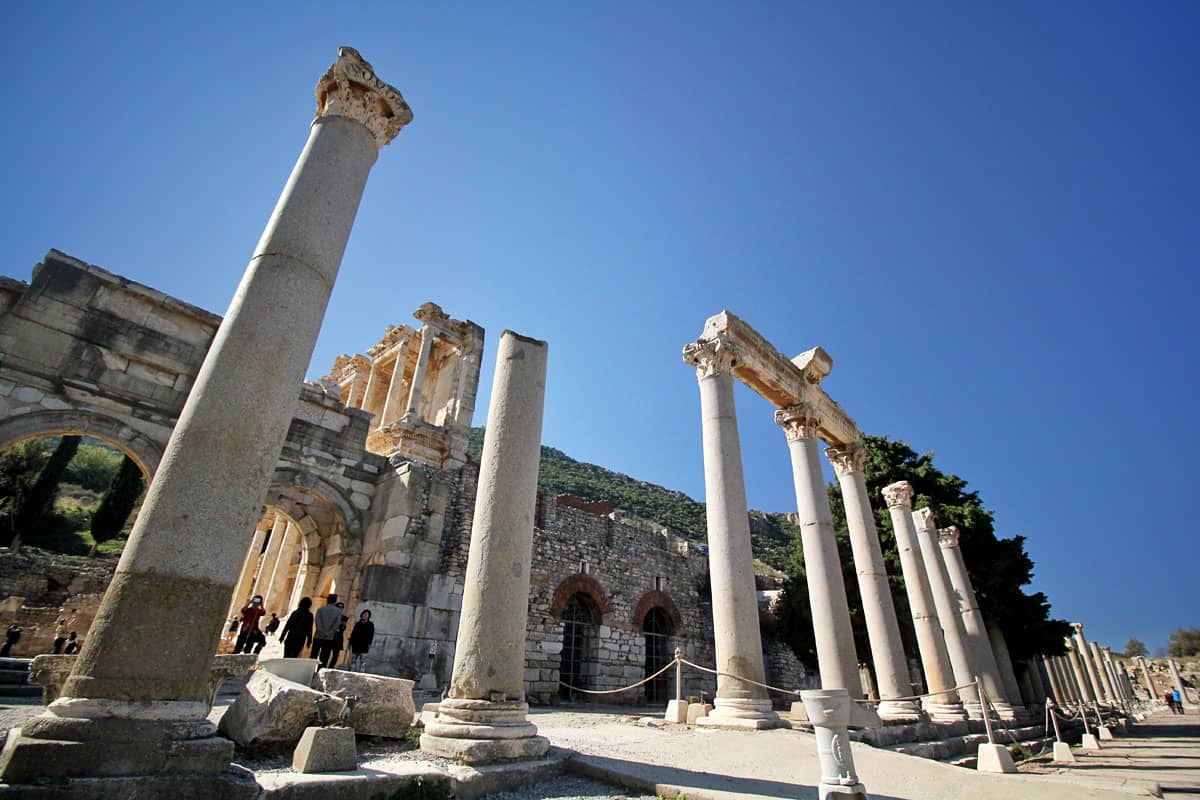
pixel 772 535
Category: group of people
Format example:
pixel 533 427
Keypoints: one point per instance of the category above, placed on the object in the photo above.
pixel 1174 701
pixel 65 642
pixel 324 633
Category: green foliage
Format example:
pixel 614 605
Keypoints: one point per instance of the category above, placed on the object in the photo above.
pixel 1135 647
pixel 1184 643
pixel 998 567
pixel 122 495
pixel 38 502
pixel 19 466
pixel 94 466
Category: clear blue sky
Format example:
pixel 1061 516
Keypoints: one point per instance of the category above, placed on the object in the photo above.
pixel 987 214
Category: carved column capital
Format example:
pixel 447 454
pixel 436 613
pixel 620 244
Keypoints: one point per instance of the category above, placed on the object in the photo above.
pixel 710 357
pixel 798 421
pixel 1078 626
pixel 948 537
pixel 924 519
pixel 847 458
pixel 349 88
pixel 898 495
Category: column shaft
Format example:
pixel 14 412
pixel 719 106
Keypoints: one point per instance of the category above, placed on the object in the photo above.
pixel 418 378
pixel 1059 694
pixel 1105 681
pixel 1034 667
pixel 270 561
pixel 1090 670
pixel 1008 673
pixel 249 570
pixel 1087 693
pixel 1149 683
pixel 394 403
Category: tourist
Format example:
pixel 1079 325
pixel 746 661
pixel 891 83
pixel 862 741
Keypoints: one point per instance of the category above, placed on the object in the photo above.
pixel 1176 701
pixel 297 631
pixel 329 616
pixel 339 638
pixel 250 635
pixel 361 636
pixel 60 637
pixel 11 637
pixel 273 625
pixel 72 647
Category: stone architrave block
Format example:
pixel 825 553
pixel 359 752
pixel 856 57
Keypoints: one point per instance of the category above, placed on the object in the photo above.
pixel 384 706
pixel 325 750
pixel 273 711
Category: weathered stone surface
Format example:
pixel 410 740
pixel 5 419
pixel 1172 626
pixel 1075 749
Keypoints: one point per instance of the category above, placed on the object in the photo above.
pixel 273 711
pixel 325 750
pixel 384 706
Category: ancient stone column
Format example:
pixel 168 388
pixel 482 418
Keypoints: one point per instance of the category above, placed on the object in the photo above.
pixel 1008 674
pixel 1060 694
pixel 836 655
pixel 1083 684
pixel 1033 667
pixel 944 705
pixel 1066 677
pixel 1091 672
pixel 270 556
pixel 879 611
pixel 484 716
pixel 142 710
pixel 1106 686
pixel 395 401
pixel 243 591
pixel 1116 690
pixel 738 643
pixel 1149 683
pixel 278 575
pixel 980 648
pixel 1177 679
pixel 418 378
pixel 1028 695
pixel 947 610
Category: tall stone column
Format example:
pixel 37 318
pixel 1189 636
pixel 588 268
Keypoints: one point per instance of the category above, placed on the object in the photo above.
pixel 1033 667
pixel 1105 681
pixel 484 717
pixel 1060 694
pixel 1117 693
pixel 242 591
pixel 980 648
pixel 1008 674
pixel 142 710
pixel 1066 678
pixel 270 558
pixel 836 655
pixel 1087 693
pixel 738 643
pixel 1090 670
pixel 418 378
pixel 1146 680
pixel 277 577
pixel 395 401
pixel 944 705
pixel 879 611
pixel 947 610
pixel 1177 680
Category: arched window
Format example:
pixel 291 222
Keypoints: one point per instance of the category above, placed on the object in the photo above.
pixel 581 620
pixel 657 629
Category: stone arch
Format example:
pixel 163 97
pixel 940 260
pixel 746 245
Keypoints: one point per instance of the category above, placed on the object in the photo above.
pixel 656 599
pixel 581 584
pixel 145 451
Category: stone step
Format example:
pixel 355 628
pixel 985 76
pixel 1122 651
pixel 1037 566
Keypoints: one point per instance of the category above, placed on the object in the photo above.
pixel 21 690
pixel 13 676
pixel 15 663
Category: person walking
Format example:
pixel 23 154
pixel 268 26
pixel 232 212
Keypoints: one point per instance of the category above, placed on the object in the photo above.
pixel 11 637
pixel 273 625
pixel 297 631
pixel 328 617
pixel 60 637
pixel 1176 701
pixel 250 634
pixel 361 636
pixel 339 638
pixel 72 647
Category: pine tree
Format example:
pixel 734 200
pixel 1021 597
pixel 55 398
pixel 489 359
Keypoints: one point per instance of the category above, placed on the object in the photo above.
pixel 119 499
pixel 37 504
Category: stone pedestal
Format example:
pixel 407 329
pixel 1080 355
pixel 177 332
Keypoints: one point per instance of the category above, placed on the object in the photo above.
pixel 677 712
pixel 879 611
pixel 1062 753
pixel 1104 733
pixel 994 758
pixel 737 641
pixel 944 704
pixel 1089 742
pixel 829 712
pixel 326 750
pixel 836 655
pixel 484 717
pixel 141 710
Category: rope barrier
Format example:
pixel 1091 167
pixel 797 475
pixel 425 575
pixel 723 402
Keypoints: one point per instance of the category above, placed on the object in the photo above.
pixel 670 664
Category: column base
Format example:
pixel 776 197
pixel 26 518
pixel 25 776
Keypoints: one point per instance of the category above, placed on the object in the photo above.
pixel 483 731
pixel 974 709
pixel 946 712
pixel 1004 711
pixel 741 714
pixel 899 712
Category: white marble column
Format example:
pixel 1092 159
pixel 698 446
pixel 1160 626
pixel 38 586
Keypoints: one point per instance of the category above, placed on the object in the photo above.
pixel 1146 679
pixel 1008 673
pixel 1058 692
pixel 1087 693
pixel 1117 692
pixel 1177 680
pixel 270 561
pixel 944 705
pixel 418 378
pixel 1033 666
pixel 980 648
pixel 836 654
pixel 1066 677
pixel 144 709
pixel 484 718
pixel 737 640
pixel 394 403
pixel 879 611
pixel 1090 670
pixel 944 600
pixel 245 583
pixel 1106 686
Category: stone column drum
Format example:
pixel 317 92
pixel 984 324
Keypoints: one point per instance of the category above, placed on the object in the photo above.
pixel 982 658
pixel 836 655
pixel 879 611
pixel 142 710
pixel 944 705
pixel 738 642
pixel 484 717
pixel 1083 686
pixel 947 610
pixel 1090 671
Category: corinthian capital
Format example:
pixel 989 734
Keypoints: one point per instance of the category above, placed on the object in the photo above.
pixel 349 88
pixel 847 458
pixel 924 520
pixel 1078 626
pixel 948 537
pixel 715 356
pixel 798 422
pixel 898 494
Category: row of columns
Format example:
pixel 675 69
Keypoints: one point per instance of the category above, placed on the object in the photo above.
pixel 279 573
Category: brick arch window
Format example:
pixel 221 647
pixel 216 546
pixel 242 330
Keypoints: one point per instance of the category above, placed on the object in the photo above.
pixel 656 599
pixel 580 584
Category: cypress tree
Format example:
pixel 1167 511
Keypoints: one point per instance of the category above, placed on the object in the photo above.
pixel 122 493
pixel 38 502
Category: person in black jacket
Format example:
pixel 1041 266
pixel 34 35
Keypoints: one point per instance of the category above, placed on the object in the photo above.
pixel 297 632
pixel 361 636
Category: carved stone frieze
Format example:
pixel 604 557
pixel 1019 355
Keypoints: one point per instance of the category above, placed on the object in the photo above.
pixel 350 88
pixel 847 458
pixel 898 495
pixel 715 356
pixel 948 537
pixel 798 422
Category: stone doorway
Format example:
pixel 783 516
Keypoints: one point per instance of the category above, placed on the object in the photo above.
pixel 657 630
pixel 581 622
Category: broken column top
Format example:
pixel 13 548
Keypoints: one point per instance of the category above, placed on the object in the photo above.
pixel 350 88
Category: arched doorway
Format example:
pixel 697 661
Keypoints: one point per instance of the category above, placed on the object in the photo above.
pixel 657 629
pixel 577 668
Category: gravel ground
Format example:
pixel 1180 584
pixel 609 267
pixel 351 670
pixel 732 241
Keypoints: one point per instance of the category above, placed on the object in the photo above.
pixel 568 787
